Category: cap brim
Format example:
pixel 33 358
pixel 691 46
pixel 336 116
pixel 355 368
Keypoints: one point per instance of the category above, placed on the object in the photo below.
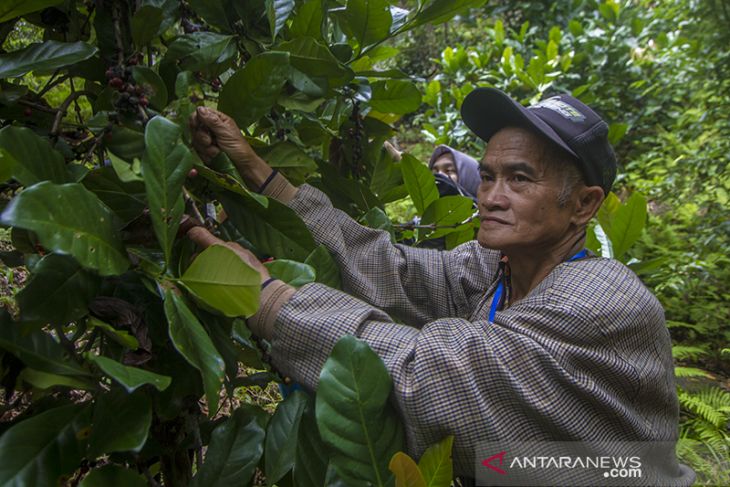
pixel 486 111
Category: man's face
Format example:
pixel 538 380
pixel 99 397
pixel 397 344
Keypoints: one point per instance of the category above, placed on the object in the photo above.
pixel 518 195
pixel 446 166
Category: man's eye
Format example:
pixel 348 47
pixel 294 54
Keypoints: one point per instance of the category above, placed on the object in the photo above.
pixel 486 177
pixel 521 178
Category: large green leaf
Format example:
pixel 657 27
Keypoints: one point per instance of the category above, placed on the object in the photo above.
pixel 125 143
pixel 291 272
pixel 406 471
pixel 625 224
pixel 214 12
pixel 420 183
pixel 70 219
pixel 33 158
pixel 154 87
pixel 165 165
pixel 222 280
pixel 308 20
pixel 202 51
pixel 312 457
pixel 368 21
pixel 286 154
pixel 113 476
pixel 39 450
pixel 354 416
pixel 395 96
pixel 36 348
pixel 252 91
pixel 281 437
pixel 234 451
pixel 327 270
pixel 275 230
pixel 145 24
pixel 121 422
pixel 190 339
pixel 59 291
pixel 314 59
pixel 126 200
pixel 44 380
pixel 44 57
pixel 278 11
pixel 438 11
pixel 129 377
pixel 435 464
pixel 9 9
pixel 446 213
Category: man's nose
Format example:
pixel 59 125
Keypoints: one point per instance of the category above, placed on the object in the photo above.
pixel 493 197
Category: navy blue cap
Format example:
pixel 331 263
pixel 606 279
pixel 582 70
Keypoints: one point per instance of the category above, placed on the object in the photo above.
pixel 563 119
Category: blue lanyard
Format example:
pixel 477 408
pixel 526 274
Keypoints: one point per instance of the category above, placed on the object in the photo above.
pixel 497 301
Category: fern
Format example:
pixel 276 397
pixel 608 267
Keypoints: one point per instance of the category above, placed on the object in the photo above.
pixel 690 372
pixel 697 403
pixel 682 352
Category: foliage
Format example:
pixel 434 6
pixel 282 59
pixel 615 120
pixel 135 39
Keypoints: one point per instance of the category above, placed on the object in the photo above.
pixel 124 355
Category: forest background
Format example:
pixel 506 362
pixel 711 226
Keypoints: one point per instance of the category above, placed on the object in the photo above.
pixel 317 91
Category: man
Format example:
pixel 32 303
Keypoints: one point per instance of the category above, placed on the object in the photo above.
pixel 520 335
pixel 457 166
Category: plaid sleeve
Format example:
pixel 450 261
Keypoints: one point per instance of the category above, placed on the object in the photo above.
pixel 411 284
pixel 568 362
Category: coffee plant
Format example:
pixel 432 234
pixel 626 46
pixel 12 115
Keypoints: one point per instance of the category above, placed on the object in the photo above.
pixel 128 358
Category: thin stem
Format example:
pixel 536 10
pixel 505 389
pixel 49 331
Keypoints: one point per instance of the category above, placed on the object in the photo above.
pixel 63 109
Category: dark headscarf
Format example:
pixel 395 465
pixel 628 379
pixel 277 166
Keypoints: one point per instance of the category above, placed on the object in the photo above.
pixel 467 168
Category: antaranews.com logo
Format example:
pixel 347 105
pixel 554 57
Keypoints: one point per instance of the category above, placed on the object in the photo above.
pixel 571 463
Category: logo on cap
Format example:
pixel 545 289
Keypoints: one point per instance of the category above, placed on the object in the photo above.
pixel 561 108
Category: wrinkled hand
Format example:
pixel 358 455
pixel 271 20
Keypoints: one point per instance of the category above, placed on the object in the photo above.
pixel 213 132
pixel 203 238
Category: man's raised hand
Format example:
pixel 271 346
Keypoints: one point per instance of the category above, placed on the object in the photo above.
pixel 213 132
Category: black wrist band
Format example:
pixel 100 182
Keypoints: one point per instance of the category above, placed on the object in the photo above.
pixel 267 282
pixel 268 180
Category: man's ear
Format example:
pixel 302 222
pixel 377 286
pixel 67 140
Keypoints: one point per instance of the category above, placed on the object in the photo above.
pixel 588 200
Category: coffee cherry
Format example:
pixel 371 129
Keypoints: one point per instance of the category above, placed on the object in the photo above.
pixel 109 73
pixel 28 111
pixel 143 101
pixel 192 173
pixel 116 82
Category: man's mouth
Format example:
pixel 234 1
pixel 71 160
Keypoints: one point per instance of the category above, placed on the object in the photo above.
pixel 493 219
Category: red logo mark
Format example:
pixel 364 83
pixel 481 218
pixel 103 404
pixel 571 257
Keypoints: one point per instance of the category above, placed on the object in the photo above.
pixel 488 462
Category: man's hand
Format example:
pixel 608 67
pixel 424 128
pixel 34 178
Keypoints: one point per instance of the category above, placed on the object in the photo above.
pixel 213 132
pixel 203 238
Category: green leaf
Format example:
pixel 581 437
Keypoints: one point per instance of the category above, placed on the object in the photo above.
pixel 70 219
pixel 214 12
pixel 36 349
pixel 39 450
pixel 7 164
pixel 286 154
pixel 252 91
pixel 190 339
pixel 44 380
pixel 327 270
pixel 10 9
pixel 202 51
pixel 438 11
pixel 368 21
pixel 436 465
pixel 291 272
pixel 165 165
pixel 32 158
pixel 44 57
pixel 312 457
pixel 230 183
pixel 125 143
pixel 278 11
pixel 145 24
pixel 153 85
pixel 276 230
pixel 314 59
pixel 122 337
pixel 447 213
pixel 406 471
pixel 353 414
pixel 126 200
pixel 121 422
pixel 222 280
pixel 234 451
pixel 113 476
pixel 281 436
pixel 420 182
pixel 308 20
pixel 59 291
pixel 129 377
pixel 623 223
pixel 395 96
